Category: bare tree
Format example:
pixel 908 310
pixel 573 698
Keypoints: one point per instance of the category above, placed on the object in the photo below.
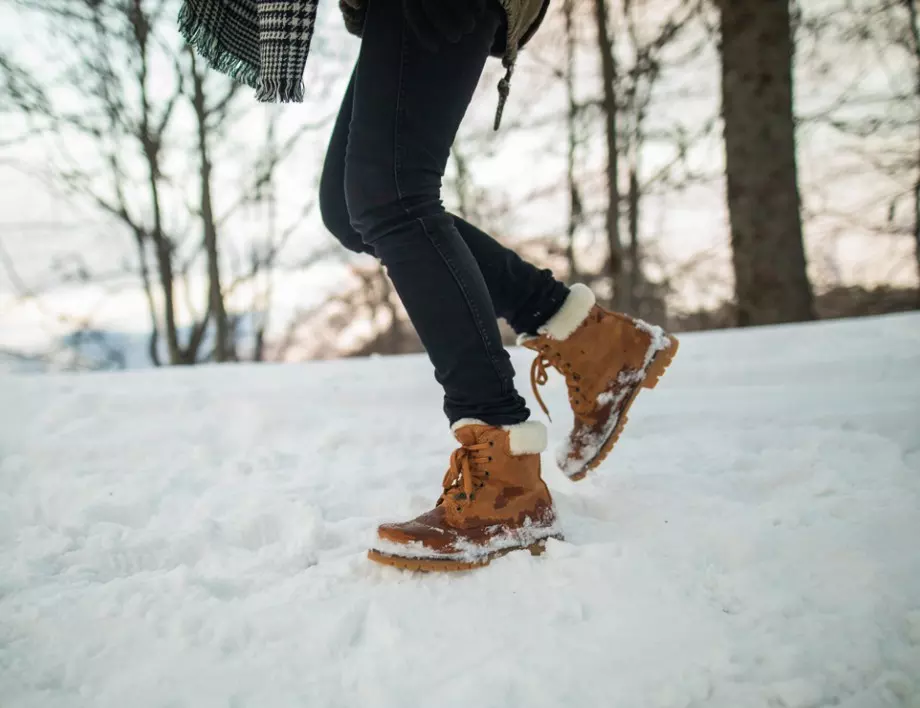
pixel 20 92
pixel 141 145
pixel 610 111
pixel 204 115
pixel 646 46
pixel 609 85
pixel 913 46
pixel 859 63
pixel 572 122
pixel 365 316
pixel 763 196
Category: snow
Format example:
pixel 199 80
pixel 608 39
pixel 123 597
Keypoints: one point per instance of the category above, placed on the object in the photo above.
pixel 196 537
pixel 659 339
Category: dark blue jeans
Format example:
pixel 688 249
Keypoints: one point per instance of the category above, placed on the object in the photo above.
pixel 380 194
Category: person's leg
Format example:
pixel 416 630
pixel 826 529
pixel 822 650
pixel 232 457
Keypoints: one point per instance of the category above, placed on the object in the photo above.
pixel 525 296
pixel 407 106
pixel 332 205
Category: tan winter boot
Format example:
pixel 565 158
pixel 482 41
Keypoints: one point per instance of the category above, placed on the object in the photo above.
pixel 606 359
pixel 494 502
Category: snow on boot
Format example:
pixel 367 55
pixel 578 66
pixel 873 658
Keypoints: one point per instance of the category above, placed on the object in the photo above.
pixel 606 359
pixel 494 502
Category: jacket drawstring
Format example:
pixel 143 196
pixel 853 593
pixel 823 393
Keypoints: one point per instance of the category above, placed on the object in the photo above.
pixel 504 86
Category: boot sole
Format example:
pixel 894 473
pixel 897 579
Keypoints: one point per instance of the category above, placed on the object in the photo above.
pixel 656 368
pixel 450 565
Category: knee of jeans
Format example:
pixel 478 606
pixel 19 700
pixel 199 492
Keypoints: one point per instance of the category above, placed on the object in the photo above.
pixel 335 217
pixel 378 203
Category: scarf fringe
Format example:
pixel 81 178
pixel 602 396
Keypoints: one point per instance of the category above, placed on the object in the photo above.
pixel 218 57
pixel 280 90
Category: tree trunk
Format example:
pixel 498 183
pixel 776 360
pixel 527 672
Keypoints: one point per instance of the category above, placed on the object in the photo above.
pixel 917 223
pixel 570 126
pixel 771 283
pixel 634 278
pixel 153 344
pixel 163 246
pixel 609 77
pixel 915 36
pixel 262 303
pixel 223 350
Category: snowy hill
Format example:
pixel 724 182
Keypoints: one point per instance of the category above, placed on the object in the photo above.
pixel 197 538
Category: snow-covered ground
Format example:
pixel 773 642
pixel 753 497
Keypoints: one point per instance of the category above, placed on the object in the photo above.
pixel 197 537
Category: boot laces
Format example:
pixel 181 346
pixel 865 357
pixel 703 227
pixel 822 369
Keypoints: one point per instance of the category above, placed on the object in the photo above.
pixel 466 471
pixel 539 375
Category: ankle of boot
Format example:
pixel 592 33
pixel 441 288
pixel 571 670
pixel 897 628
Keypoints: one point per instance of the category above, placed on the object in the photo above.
pixel 527 438
pixel 571 315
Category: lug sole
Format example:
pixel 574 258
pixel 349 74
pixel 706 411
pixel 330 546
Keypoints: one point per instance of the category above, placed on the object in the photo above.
pixel 656 368
pixel 451 565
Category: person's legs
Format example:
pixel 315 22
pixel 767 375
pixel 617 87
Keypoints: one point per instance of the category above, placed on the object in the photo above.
pixel 406 108
pixel 380 195
pixel 524 295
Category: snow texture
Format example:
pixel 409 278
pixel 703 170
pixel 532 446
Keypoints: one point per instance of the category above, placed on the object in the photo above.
pixel 197 538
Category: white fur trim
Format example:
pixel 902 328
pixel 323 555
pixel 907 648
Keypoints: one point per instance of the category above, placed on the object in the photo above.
pixel 526 438
pixel 463 422
pixel 572 313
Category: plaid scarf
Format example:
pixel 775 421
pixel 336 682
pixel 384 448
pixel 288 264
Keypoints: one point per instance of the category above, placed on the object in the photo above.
pixel 261 43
